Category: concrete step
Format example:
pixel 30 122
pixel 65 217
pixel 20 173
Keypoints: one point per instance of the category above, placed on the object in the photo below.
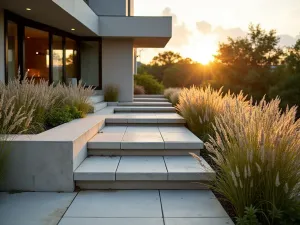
pixel 144 140
pixel 168 104
pixel 150 100
pixel 151 109
pixel 144 119
pixel 149 96
pixel 96 99
pixel 143 172
pixel 99 106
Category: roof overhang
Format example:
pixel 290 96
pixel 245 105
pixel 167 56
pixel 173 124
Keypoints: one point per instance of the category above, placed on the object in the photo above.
pixel 147 32
pixel 61 14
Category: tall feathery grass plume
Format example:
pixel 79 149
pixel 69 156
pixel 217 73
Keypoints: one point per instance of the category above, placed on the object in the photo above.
pixel 257 151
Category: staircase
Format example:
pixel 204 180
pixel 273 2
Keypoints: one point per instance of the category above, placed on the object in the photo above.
pixel 144 147
pixel 98 102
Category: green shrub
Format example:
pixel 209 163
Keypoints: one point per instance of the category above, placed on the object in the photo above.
pixel 139 90
pixel 249 218
pixel 58 116
pixel 151 85
pixel 111 93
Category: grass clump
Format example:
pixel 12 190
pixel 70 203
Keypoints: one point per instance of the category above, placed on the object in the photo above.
pixel 35 101
pixel 256 148
pixel 111 93
pixel 139 90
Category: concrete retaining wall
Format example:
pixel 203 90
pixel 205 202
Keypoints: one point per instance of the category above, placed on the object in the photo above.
pixel 45 162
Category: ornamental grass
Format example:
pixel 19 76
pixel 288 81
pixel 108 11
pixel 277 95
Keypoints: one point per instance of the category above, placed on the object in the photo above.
pixel 256 148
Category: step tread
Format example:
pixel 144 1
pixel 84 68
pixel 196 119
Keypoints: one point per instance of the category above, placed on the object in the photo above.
pixel 145 118
pixel 145 109
pixel 99 106
pixel 135 168
pixel 149 96
pixel 96 98
pixel 144 104
pixel 145 137
pixel 150 100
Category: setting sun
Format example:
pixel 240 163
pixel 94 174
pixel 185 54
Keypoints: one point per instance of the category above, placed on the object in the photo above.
pixel 201 48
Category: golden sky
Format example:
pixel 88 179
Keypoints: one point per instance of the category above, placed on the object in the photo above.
pixel 199 25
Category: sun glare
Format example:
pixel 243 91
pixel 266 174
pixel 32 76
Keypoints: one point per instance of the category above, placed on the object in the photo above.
pixel 201 48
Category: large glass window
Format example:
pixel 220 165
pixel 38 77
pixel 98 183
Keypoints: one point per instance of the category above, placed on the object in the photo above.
pixel 71 61
pixel 36 54
pixel 57 60
pixel 12 50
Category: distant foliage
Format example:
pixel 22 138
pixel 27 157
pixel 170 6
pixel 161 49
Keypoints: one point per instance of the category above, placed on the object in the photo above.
pixel 111 93
pixel 150 84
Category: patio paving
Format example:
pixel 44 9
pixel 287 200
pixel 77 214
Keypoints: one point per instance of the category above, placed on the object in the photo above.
pixel 34 208
pixel 124 207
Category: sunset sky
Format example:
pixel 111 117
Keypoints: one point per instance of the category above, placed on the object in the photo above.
pixel 198 25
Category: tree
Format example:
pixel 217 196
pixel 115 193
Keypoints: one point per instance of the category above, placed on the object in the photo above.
pixel 166 58
pixel 247 63
pixel 292 60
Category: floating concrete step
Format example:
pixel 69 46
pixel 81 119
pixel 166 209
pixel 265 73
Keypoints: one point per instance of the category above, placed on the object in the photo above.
pixel 144 104
pixel 99 106
pixel 143 172
pixel 96 99
pixel 144 119
pixel 150 100
pixel 144 140
pixel 144 109
pixel 149 96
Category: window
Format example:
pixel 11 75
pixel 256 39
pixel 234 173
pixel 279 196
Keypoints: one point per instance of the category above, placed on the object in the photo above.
pixel 57 59
pixel 36 54
pixel 12 50
pixel 71 60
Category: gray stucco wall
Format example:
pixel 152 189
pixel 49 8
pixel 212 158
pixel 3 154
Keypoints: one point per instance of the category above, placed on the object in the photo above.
pixel 109 7
pixel 117 66
pixel 2 62
pixel 90 62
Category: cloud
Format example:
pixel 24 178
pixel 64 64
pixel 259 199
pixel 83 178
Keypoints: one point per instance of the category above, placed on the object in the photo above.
pixel 287 40
pixel 181 34
pixel 203 27
pixel 223 33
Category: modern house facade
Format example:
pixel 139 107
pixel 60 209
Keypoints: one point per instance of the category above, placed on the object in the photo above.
pixel 71 40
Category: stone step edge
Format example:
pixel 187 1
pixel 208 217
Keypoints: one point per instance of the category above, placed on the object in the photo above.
pixel 143 152
pixel 142 185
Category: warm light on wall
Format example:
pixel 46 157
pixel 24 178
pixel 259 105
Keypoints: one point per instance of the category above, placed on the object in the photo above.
pixel 28 9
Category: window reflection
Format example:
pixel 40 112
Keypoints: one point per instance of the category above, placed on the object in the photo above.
pixel 12 50
pixel 36 54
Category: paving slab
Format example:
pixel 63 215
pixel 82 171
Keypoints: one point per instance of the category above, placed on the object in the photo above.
pixel 111 221
pixel 185 140
pixel 116 204
pixel 33 208
pixel 191 203
pixel 106 141
pixel 97 168
pixel 173 129
pixel 113 129
pixel 150 100
pixel 142 129
pixel 145 140
pixel 198 221
pixel 141 168
pixel 188 168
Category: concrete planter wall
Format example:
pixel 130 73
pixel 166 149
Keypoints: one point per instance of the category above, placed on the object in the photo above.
pixel 46 161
